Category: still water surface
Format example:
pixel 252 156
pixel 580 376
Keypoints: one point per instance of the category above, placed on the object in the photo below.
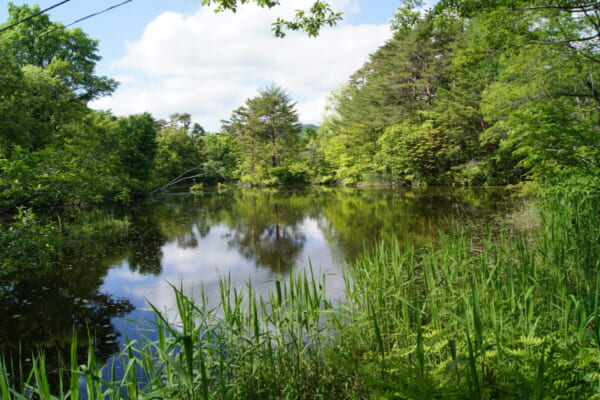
pixel 131 256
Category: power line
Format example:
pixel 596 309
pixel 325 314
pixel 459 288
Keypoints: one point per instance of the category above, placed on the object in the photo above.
pixel 99 12
pixel 33 16
pixel 73 23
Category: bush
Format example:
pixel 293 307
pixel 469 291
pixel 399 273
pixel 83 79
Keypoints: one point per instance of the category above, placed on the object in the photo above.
pixel 292 173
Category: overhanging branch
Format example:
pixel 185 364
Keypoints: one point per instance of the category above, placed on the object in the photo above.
pixel 182 177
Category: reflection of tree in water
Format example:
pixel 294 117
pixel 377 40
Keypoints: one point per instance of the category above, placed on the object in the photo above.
pixel 183 219
pixel 144 247
pixel 188 240
pixel 357 219
pixel 265 228
pixel 124 236
pixel 39 314
pixel 142 232
pixel 274 246
pixel 265 224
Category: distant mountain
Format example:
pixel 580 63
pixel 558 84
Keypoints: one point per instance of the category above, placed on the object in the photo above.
pixel 307 126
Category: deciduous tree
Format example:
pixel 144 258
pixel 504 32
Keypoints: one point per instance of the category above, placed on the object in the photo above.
pixel 69 54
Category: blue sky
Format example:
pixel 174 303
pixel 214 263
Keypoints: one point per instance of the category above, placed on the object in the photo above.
pixel 174 56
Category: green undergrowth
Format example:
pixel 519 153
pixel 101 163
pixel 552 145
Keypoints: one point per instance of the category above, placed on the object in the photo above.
pixel 512 317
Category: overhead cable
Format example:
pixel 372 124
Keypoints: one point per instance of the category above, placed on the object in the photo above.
pixel 33 16
pixel 72 23
pixel 99 12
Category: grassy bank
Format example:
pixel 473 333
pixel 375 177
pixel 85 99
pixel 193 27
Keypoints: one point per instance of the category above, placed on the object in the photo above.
pixel 513 317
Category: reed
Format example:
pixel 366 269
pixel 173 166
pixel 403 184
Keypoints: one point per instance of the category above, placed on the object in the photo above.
pixel 513 316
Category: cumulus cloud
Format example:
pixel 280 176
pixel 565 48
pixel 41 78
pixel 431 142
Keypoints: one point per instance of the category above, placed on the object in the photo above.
pixel 208 63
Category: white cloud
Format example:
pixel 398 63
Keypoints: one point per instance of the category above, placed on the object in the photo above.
pixel 207 64
pixel 124 79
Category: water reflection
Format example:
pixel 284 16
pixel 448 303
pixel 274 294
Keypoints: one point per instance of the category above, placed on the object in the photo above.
pixel 144 244
pixel 40 312
pixel 259 234
pixel 266 228
pixel 356 219
pixel 192 241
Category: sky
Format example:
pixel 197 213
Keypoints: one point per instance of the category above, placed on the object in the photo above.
pixel 179 57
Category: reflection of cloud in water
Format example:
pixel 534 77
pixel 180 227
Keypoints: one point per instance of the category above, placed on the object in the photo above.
pixel 125 273
pixel 202 268
pixel 212 251
pixel 324 257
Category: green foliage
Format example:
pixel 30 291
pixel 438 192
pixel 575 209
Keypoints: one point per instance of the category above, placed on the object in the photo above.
pixel 11 114
pixel 53 176
pixel 296 172
pixel 80 169
pixel 310 21
pixel 197 188
pixel 548 116
pixel 414 152
pixel 399 84
pixel 407 16
pixel 472 93
pixel 469 93
pixel 178 150
pixel 36 105
pixel 486 330
pixel 266 132
pixel 53 149
pixel 220 154
pixel 68 54
pixel 136 149
pixel 470 174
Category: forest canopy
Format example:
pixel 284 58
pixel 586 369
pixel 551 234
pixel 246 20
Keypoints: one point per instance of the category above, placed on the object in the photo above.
pixel 467 93
pixel 473 92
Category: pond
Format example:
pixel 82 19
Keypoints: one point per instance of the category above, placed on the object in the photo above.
pixel 128 257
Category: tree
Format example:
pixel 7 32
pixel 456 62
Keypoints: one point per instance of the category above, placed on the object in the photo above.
pixel 266 131
pixel 178 149
pixel 401 81
pixel 136 149
pixel 47 76
pixel 12 117
pixel 53 149
pixel 69 53
pixel 543 107
pixel 219 153
pixel 35 105
pixel 84 167
pixel 546 111
pixel 415 152
pixel 278 122
pixel 309 21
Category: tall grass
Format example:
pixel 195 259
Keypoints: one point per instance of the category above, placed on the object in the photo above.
pixel 516 317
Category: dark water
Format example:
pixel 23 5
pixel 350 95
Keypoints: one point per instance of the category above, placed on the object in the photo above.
pixel 124 258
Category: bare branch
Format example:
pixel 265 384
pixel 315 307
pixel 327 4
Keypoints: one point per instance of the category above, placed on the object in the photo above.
pixel 182 177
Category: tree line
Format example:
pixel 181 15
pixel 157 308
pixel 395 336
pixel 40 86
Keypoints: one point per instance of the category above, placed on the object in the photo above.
pixel 467 93
pixel 473 92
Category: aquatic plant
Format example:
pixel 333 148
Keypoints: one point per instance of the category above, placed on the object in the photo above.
pixel 513 316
